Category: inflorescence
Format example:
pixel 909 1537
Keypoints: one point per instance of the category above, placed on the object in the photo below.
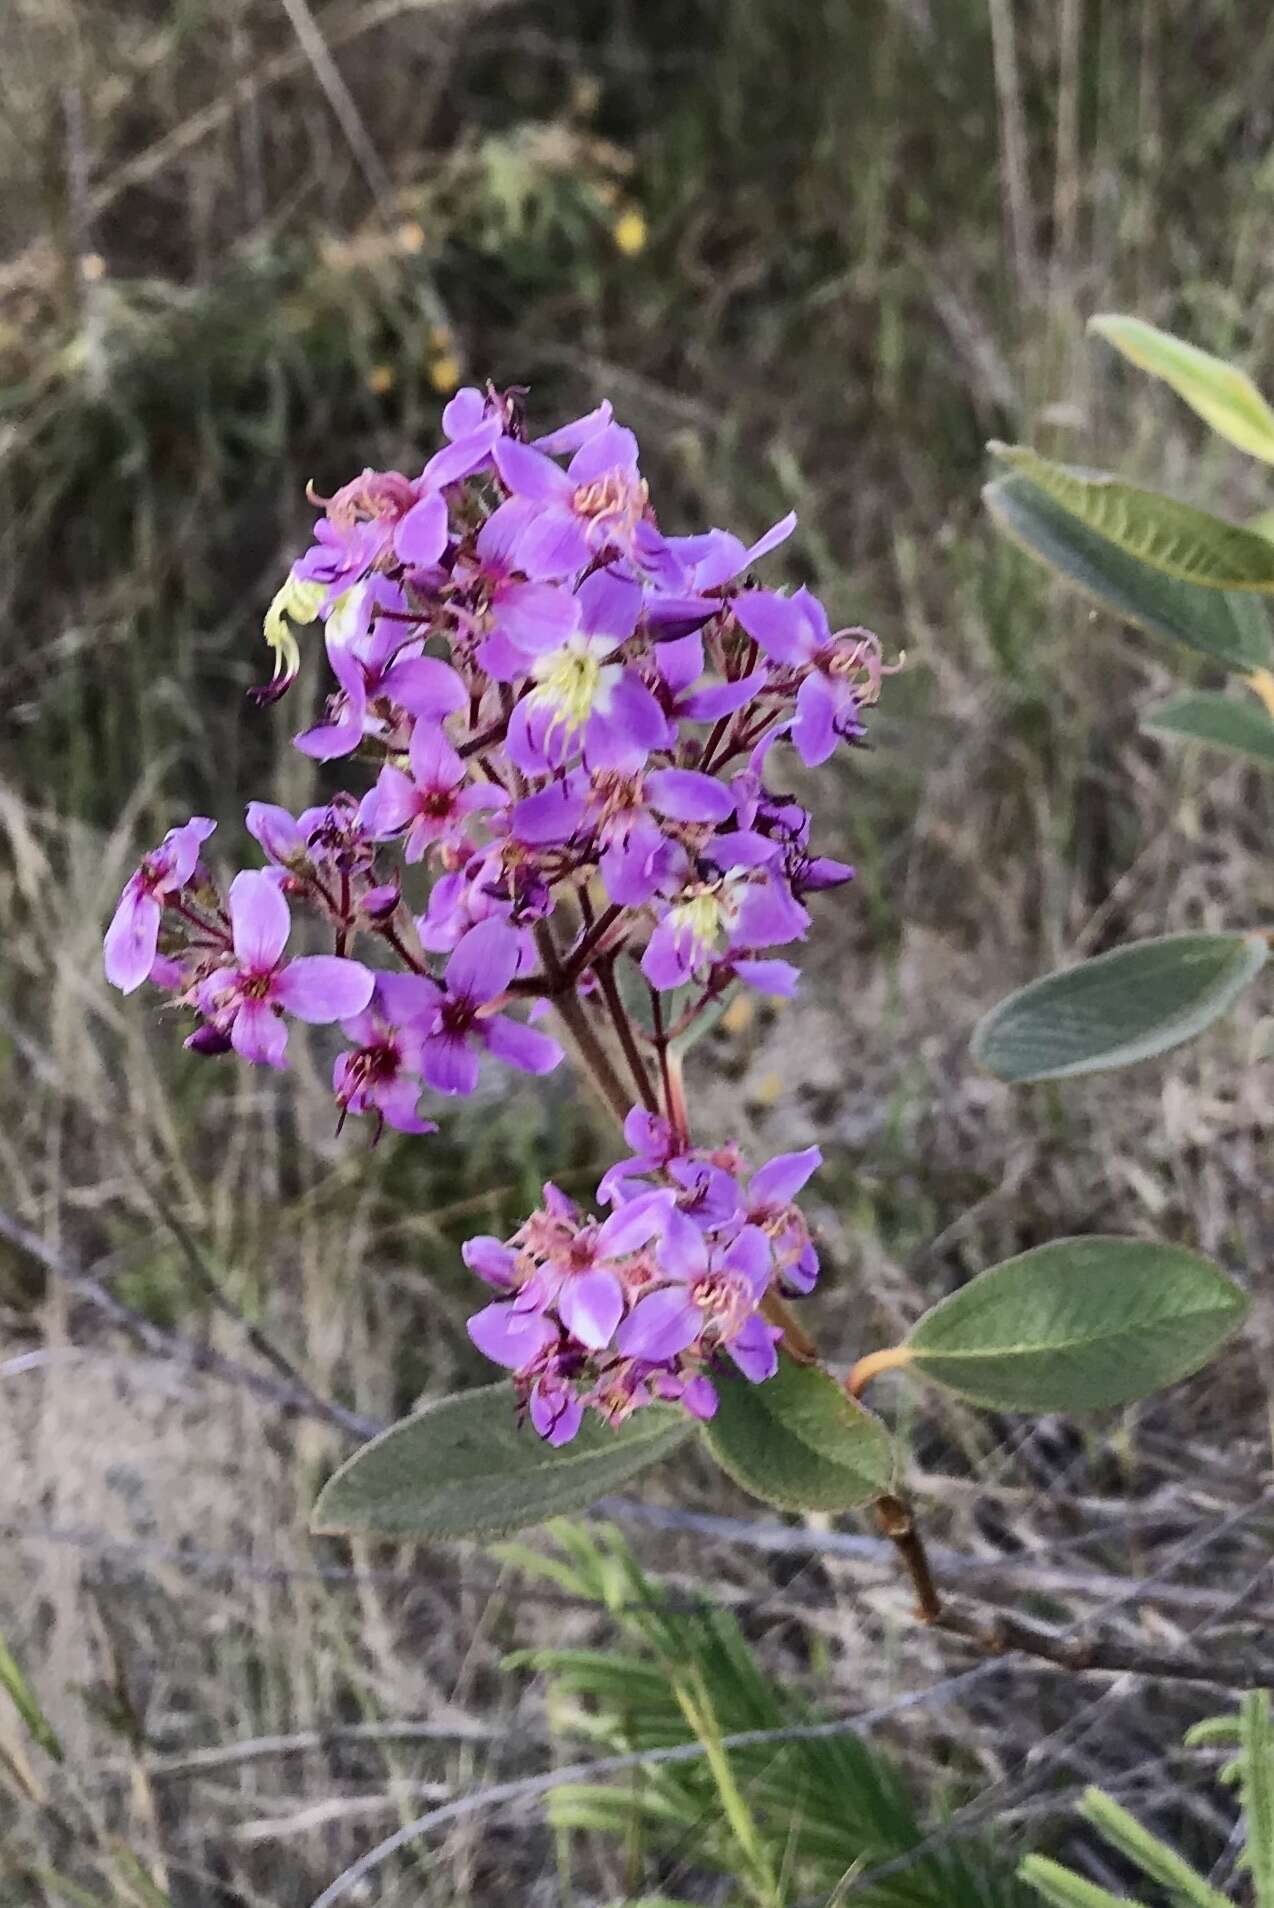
pixel 573 722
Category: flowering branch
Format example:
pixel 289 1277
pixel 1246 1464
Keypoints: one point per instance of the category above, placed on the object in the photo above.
pixel 577 727
pixel 571 717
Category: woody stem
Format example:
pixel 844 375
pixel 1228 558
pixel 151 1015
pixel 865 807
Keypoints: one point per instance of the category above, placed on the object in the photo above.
pixel 622 1023
pixel 592 1053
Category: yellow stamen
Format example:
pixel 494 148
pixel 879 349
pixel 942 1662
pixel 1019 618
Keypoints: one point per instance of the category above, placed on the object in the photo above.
pixel 567 682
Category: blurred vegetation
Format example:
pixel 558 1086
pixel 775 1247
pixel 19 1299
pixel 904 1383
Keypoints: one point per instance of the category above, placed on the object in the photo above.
pixel 817 254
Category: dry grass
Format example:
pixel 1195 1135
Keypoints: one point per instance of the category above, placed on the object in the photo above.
pixel 872 239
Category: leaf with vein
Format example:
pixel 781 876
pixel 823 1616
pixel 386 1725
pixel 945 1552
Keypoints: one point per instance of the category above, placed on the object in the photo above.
pixel 1170 536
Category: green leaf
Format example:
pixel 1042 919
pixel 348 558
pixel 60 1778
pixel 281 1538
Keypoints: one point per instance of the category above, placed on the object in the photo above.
pixel 1243 728
pixel 1170 536
pixel 1078 1325
pixel 799 1442
pixel 25 1701
pixel 463 1467
pixel 1128 1005
pixel 1062 1889
pixel 1221 394
pixel 1153 1857
pixel 1227 626
pixel 1258 1794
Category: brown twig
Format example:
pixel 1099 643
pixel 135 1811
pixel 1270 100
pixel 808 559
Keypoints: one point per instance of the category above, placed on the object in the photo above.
pixel 999 1632
pixel 622 1023
pixel 574 1016
pixel 895 1519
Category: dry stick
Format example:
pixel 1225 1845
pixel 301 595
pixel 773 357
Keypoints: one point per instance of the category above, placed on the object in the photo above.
pixel 1013 147
pixel 292 1394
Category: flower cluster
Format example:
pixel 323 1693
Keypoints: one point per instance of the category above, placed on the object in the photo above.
pixel 570 729
pixel 613 1314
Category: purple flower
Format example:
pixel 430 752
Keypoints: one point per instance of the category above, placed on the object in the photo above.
pixel 707 562
pixel 563 518
pixel 712 1295
pixel 517 618
pixel 654 1144
pixel 472 422
pixel 680 669
pixel 374 675
pixel 556 1411
pixel 582 696
pixel 247 1000
pixel 582 1285
pixel 513 1335
pixel 431 804
pixel 795 630
pixel 132 939
pixel 747 906
pixel 768 1203
pixel 279 833
pixel 380 1074
pixel 462 1024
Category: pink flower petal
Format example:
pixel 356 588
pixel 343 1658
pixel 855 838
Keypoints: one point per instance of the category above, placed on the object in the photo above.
pixel 448 1065
pixel 687 795
pixel 529 473
pixel 132 938
pixel 421 536
pixel 260 920
pixel 259 1035
pixel 776 623
pixel 484 962
pixel 782 1177
pixel 323 987
pixel 590 1306
pixel 659 1326
pixel 753 1349
pixel 509 1337
pixel 519 1046
pixel 435 764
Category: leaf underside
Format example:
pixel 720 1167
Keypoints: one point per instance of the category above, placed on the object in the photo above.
pixel 1129 1005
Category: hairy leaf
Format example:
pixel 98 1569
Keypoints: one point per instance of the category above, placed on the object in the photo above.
pixel 1228 626
pixel 1078 1325
pixel 1242 728
pixel 1128 1005
pixel 1174 537
pixel 799 1442
pixel 463 1467
pixel 1222 395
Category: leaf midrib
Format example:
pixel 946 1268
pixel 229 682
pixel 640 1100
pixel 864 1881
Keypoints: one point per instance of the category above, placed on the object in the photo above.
pixel 1025 1349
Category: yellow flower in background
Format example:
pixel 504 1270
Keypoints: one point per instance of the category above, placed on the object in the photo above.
pixel 380 379
pixel 629 232
pixel 444 373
